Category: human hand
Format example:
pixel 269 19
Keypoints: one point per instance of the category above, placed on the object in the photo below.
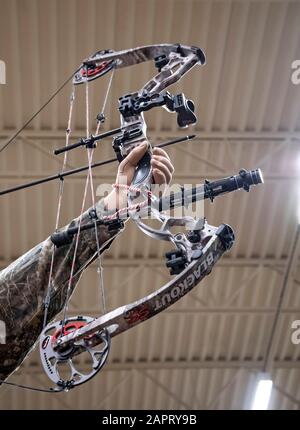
pixel 162 172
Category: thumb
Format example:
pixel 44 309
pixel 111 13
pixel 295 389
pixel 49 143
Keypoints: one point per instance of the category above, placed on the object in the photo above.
pixel 136 154
pixel 128 165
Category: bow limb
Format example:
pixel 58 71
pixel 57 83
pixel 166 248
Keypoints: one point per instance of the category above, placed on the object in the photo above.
pixel 89 334
pixel 128 316
pixel 103 61
pixel 130 57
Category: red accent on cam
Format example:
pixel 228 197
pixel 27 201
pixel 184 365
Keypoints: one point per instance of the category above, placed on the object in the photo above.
pixel 68 328
pixel 92 71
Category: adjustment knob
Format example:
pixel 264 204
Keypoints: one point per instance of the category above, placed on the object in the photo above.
pixel 161 61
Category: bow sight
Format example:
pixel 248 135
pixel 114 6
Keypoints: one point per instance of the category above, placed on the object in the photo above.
pixel 133 104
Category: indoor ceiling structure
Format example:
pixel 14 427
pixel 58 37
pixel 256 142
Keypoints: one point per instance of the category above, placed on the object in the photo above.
pixel 205 351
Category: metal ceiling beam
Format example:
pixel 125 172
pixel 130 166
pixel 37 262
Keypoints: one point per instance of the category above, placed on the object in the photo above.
pixel 165 389
pixel 35 367
pixel 241 136
pixel 221 392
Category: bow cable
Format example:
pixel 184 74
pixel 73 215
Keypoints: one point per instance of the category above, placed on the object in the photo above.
pixel 58 212
pixel 90 161
pixel 12 138
pixel 90 154
pixel 89 179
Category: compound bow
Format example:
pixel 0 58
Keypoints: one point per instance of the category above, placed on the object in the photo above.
pixel 195 253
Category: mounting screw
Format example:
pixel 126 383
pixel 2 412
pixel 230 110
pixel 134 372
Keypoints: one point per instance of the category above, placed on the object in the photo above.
pixel 193 236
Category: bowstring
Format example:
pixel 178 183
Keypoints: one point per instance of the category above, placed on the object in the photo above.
pixel 69 288
pixel 74 257
pixel 89 179
pixel 105 99
pixel 58 212
pixel 79 226
pixel 90 160
pixel 13 138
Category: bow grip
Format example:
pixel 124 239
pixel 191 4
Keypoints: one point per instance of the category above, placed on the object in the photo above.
pixel 143 170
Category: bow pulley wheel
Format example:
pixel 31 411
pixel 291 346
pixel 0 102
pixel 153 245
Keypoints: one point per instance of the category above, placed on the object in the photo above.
pixel 64 366
pixel 89 72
